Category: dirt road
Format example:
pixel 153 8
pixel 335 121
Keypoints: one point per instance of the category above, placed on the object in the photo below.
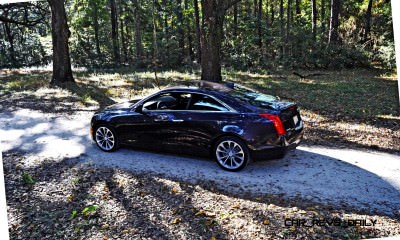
pixel 359 179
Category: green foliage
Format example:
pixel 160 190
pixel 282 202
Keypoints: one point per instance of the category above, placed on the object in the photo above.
pixel 240 48
pixel 387 55
pixel 87 211
pixel 27 179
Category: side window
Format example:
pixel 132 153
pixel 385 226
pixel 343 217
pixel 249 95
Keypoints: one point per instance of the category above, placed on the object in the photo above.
pixel 167 101
pixel 205 103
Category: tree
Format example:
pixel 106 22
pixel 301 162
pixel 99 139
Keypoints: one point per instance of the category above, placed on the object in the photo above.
pixel 212 35
pixel 62 72
pixel 323 28
pixel 314 18
pixel 197 26
pixel 367 28
pixel 114 30
pixel 138 34
pixel 334 22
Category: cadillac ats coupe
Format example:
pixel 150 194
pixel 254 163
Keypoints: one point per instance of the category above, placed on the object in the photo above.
pixel 229 122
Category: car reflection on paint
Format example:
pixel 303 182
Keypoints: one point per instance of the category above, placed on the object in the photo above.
pixel 229 122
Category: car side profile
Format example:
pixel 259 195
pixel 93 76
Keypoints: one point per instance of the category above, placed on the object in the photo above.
pixel 229 122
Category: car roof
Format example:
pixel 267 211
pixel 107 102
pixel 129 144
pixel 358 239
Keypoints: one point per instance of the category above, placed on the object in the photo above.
pixel 218 90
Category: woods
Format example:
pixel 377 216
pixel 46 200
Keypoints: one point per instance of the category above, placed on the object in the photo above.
pixel 232 34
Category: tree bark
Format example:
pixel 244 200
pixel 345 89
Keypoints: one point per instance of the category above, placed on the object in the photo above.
pixel 298 9
pixel 198 37
pixel 124 52
pixel 281 10
pixel 323 27
pixel 288 15
pixel 181 34
pixel 62 72
pixel 114 31
pixel 212 34
pixel 334 22
pixel 272 5
pixel 314 18
pixel 10 39
pixel 259 29
pixel 189 36
pixel 93 5
pixel 211 37
pixel 367 28
pixel 138 34
pixel 235 19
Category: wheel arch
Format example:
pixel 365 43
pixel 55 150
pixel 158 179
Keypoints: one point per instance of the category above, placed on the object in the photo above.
pixel 227 134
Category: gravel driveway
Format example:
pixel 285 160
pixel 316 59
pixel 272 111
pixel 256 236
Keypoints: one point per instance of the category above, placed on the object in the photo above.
pixel 361 180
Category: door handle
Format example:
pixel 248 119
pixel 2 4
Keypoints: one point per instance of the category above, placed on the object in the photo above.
pixel 161 118
pixel 177 120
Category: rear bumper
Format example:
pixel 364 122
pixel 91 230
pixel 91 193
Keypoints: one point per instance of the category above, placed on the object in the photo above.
pixel 287 143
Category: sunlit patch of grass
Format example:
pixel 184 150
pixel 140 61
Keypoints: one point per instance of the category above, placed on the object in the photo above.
pixel 350 94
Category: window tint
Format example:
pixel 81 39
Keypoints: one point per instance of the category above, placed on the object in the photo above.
pixel 167 101
pixel 205 103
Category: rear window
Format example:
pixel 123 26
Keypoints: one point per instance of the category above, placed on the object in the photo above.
pixel 253 97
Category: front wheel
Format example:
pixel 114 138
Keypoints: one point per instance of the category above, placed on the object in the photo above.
pixel 231 153
pixel 105 138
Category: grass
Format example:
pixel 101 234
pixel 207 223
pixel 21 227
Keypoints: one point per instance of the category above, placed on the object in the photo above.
pixel 352 94
pixel 356 107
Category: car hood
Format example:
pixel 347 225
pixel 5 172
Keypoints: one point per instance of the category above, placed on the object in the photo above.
pixel 123 106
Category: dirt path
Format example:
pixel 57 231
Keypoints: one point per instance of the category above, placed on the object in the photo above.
pixel 361 180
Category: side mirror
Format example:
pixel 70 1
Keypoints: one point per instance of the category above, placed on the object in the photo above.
pixel 138 109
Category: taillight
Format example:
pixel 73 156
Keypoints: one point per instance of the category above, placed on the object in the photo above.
pixel 276 121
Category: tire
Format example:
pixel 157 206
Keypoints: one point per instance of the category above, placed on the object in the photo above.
pixel 231 153
pixel 105 138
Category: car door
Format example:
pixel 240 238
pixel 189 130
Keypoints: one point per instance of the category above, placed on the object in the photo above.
pixel 205 118
pixel 159 126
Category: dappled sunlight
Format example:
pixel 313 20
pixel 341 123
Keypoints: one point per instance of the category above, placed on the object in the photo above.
pixel 324 175
pixel 45 135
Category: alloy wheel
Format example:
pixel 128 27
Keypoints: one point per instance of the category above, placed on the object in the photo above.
pixel 230 154
pixel 105 138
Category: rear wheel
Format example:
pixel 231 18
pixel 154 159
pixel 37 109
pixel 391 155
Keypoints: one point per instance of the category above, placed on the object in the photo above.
pixel 105 138
pixel 231 153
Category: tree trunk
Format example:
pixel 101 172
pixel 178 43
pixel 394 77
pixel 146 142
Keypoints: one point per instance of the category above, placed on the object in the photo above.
pixel 255 8
pixel 62 72
pixel 138 34
pixel 181 34
pixel 189 36
pixel 114 31
pixel 267 23
pixel 334 22
pixel 259 29
pixel 298 10
pixel 281 10
pixel 367 28
pixel 212 34
pixel 323 27
pixel 93 5
pixel 314 18
pixel 198 37
pixel 123 38
pixel 235 19
pixel 272 5
pixel 10 39
pixel 288 15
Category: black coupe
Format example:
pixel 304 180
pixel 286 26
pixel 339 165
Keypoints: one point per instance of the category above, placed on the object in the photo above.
pixel 230 122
